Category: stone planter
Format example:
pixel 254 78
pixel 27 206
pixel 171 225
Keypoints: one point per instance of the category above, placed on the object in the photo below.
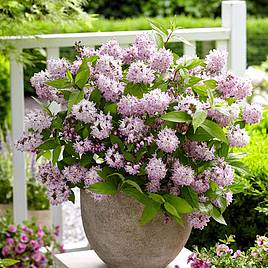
pixel 43 217
pixel 114 232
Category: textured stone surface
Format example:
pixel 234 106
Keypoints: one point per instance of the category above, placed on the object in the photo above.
pixel 114 232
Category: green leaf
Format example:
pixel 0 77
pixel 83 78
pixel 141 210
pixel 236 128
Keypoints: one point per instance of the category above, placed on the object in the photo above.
pixel 211 83
pixel 224 150
pixel 104 188
pixel 128 156
pixel 95 96
pixel 149 212
pixel 60 83
pixel 57 123
pixel 214 130
pixel 177 116
pixel 199 135
pixel 181 205
pixel 82 75
pixel 216 215
pixel 49 144
pixel 105 172
pixel 134 184
pixel 110 108
pixel 236 188
pixel 71 197
pixel 200 90
pixel 134 193
pixel 157 197
pixel 69 160
pixel 171 209
pixel 158 28
pixel 69 75
pixel 116 140
pixel 47 155
pixel 117 174
pixel 199 118
pixel 86 160
pixel 8 262
pixel 56 154
pixel 159 40
pixel 190 196
pixel 75 97
pixel 92 59
pixel 136 90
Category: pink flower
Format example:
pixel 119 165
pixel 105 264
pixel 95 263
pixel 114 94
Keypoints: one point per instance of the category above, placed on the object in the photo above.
pixel 198 220
pixel 252 113
pixel 35 245
pixel 6 250
pixel 20 248
pixel 40 232
pixel 216 60
pixel 161 60
pixel 182 175
pixel 140 73
pixel 156 169
pixel 24 238
pixel 12 228
pixel 37 256
pixel 167 140
pixel 223 249
pixel 237 254
pixel 10 241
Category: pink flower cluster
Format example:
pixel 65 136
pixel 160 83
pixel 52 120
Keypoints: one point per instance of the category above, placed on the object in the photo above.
pixel 25 242
pixel 153 102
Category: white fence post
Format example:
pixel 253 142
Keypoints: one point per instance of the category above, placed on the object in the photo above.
pixel 234 18
pixel 57 217
pixel 17 112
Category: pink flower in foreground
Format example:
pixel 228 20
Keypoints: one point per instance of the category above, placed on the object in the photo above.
pixel 223 249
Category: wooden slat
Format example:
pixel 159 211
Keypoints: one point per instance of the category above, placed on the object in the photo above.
pixel 189 50
pixel 234 18
pixel 17 112
pixel 97 38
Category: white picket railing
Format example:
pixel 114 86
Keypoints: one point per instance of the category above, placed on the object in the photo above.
pixel 231 36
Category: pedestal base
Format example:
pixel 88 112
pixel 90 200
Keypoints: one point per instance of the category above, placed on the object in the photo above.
pixel 89 259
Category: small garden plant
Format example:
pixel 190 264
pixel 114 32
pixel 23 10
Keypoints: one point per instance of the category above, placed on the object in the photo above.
pixel 28 245
pixel 222 255
pixel 143 121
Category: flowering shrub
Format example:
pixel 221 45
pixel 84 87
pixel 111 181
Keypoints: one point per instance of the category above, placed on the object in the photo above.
pixel 145 122
pixel 29 244
pixel 223 256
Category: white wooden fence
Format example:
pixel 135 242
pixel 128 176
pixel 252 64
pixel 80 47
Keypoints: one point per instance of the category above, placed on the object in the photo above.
pixel 231 36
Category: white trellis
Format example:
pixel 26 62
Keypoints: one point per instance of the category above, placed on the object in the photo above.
pixel 231 36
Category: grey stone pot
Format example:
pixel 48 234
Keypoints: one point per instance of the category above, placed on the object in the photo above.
pixel 114 232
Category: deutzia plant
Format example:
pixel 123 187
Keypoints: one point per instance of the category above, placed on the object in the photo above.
pixel 142 121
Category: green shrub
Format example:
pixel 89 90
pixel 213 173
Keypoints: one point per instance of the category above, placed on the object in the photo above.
pixel 4 91
pixel 247 216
